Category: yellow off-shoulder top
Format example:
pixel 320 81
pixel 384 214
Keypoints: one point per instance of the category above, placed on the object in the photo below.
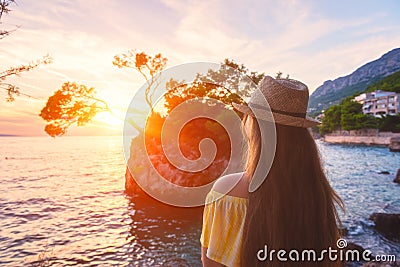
pixel 223 222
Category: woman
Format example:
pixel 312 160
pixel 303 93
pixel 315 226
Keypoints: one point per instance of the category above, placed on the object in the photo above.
pixel 293 209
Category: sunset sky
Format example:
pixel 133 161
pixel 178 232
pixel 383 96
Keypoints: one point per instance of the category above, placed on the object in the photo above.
pixel 313 41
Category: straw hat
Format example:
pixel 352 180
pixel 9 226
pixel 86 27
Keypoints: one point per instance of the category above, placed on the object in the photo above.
pixel 287 100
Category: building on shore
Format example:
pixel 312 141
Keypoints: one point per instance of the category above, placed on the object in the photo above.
pixel 379 103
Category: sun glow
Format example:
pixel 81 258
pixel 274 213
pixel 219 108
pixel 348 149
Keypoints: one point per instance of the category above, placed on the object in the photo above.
pixel 116 118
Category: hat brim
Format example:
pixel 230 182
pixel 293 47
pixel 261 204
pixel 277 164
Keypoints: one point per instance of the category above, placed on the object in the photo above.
pixel 264 114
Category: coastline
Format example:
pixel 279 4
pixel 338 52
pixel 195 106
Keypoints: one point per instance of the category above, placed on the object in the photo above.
pixel 361 138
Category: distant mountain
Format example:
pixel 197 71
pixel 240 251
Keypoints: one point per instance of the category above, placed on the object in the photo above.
pixel 331 92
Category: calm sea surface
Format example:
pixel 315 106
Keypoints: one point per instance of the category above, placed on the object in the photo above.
pixel 62 201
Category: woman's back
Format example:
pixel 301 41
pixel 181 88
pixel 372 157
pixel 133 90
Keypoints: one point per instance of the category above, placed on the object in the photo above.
pixel 291 214
pixel 294 207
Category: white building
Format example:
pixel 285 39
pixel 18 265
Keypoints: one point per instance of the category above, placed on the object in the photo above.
pixel 379 103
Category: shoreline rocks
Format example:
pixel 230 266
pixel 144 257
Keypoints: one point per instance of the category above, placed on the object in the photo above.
pixel 387 224
pixel 357 140
pixel 370 137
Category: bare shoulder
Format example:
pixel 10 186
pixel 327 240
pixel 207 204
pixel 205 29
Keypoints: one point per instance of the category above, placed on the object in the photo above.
pixel 236 181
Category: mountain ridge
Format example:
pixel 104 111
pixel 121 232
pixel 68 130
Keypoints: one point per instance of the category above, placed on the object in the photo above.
pixel 332 91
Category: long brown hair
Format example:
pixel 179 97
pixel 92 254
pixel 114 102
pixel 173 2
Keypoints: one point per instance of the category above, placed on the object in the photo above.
pixel 294 208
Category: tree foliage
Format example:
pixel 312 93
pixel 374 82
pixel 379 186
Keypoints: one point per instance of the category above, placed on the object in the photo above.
pixel 390 123
pixel 148 66
pixel 229 84
pixel 331 120
pixel 5 9
pixel 77 103
pixel 12 89
pixel 348 116
pixel 72 103
pixel 255 76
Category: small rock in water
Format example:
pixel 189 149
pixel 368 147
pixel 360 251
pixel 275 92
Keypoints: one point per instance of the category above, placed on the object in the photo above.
pixel 397 179
pixel 384 172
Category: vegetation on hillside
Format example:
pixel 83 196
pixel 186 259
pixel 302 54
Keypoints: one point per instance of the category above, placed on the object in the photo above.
pixel 390 83
pixel 348 116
